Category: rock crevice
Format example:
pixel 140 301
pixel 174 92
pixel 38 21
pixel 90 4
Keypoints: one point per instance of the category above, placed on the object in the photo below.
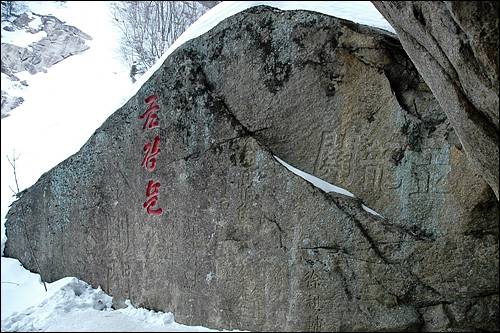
pixel 454 45
pixel 244 243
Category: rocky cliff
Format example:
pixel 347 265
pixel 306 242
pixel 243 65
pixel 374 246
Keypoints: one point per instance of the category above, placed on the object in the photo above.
pixel 454 45
pixel 177 203
pixel 59 42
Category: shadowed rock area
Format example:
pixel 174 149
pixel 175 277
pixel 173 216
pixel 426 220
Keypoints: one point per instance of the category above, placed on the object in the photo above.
pixel 242 242
pixel 454 45
pixel 343 102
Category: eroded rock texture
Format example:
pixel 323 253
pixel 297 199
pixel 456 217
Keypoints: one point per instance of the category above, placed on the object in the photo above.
pixel 344 102
pixel 242 242
pixel 61 41
pixel 454 45
pixel 9 103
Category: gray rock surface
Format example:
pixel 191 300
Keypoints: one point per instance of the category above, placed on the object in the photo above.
pixel 242 242
pixel 454 45
pixel 62 41
pixel 344 102
pixel 9 103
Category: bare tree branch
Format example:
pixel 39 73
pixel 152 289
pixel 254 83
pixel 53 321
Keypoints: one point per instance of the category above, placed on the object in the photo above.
pixel 14 192
pixel 11 283
pixel 13 165
pixel 209 4
pixel 150 27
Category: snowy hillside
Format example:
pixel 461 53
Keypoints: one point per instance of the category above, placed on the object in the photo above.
pixel 61 109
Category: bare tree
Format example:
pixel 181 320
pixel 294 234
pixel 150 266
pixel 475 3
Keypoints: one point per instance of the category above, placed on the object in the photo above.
pixel 12 8
pixel 16 193
pixel 8 8
pixel 13 165
pixel 209 4
pixel 150 27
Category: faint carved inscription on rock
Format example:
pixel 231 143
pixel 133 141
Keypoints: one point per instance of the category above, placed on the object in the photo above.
pixel 311 279
pixel 372 165
pixel 252 301
pixel 430 172
pixel 312 282
pixel 333 157
pixel 355 160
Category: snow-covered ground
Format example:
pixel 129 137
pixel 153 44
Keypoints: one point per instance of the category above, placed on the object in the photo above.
pixel 73 305
pixel 20 38
pixel 62 109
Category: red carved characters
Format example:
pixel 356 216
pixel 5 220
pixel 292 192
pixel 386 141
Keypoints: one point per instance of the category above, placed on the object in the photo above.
pixel 152 195
pixel 151 151
pixel 150 114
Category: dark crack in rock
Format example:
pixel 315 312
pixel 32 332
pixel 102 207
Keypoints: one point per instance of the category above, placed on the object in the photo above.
pixel 454 45
pixel 242 242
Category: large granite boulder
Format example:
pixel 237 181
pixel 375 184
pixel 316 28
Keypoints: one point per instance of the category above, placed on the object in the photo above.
pixel 344 102
pixel 186 210
pixel 454 45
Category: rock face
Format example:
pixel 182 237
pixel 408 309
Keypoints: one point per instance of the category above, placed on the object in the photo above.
pixel 9 103
pixel 344 102
pixel 243 243
pixel 62 41
pixel 454 45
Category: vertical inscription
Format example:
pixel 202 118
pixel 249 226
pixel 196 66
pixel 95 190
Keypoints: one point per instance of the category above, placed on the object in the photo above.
pixel 311 279
pixel 252 306
pixel 151 153
pixel 190 278
pixel 391 157
pixel 431 172
pixel 151 150
pixel 312 301
pixel 328 150
pixel 371 162
pixel 372 176
pixel 152 197
pixel 333 157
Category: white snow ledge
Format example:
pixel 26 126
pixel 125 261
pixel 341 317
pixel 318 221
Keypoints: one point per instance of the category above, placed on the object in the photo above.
pixel 323 185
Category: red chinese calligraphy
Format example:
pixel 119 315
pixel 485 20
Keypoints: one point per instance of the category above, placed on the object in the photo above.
pixel 150 114
pixel 152 195
pixel 152 151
